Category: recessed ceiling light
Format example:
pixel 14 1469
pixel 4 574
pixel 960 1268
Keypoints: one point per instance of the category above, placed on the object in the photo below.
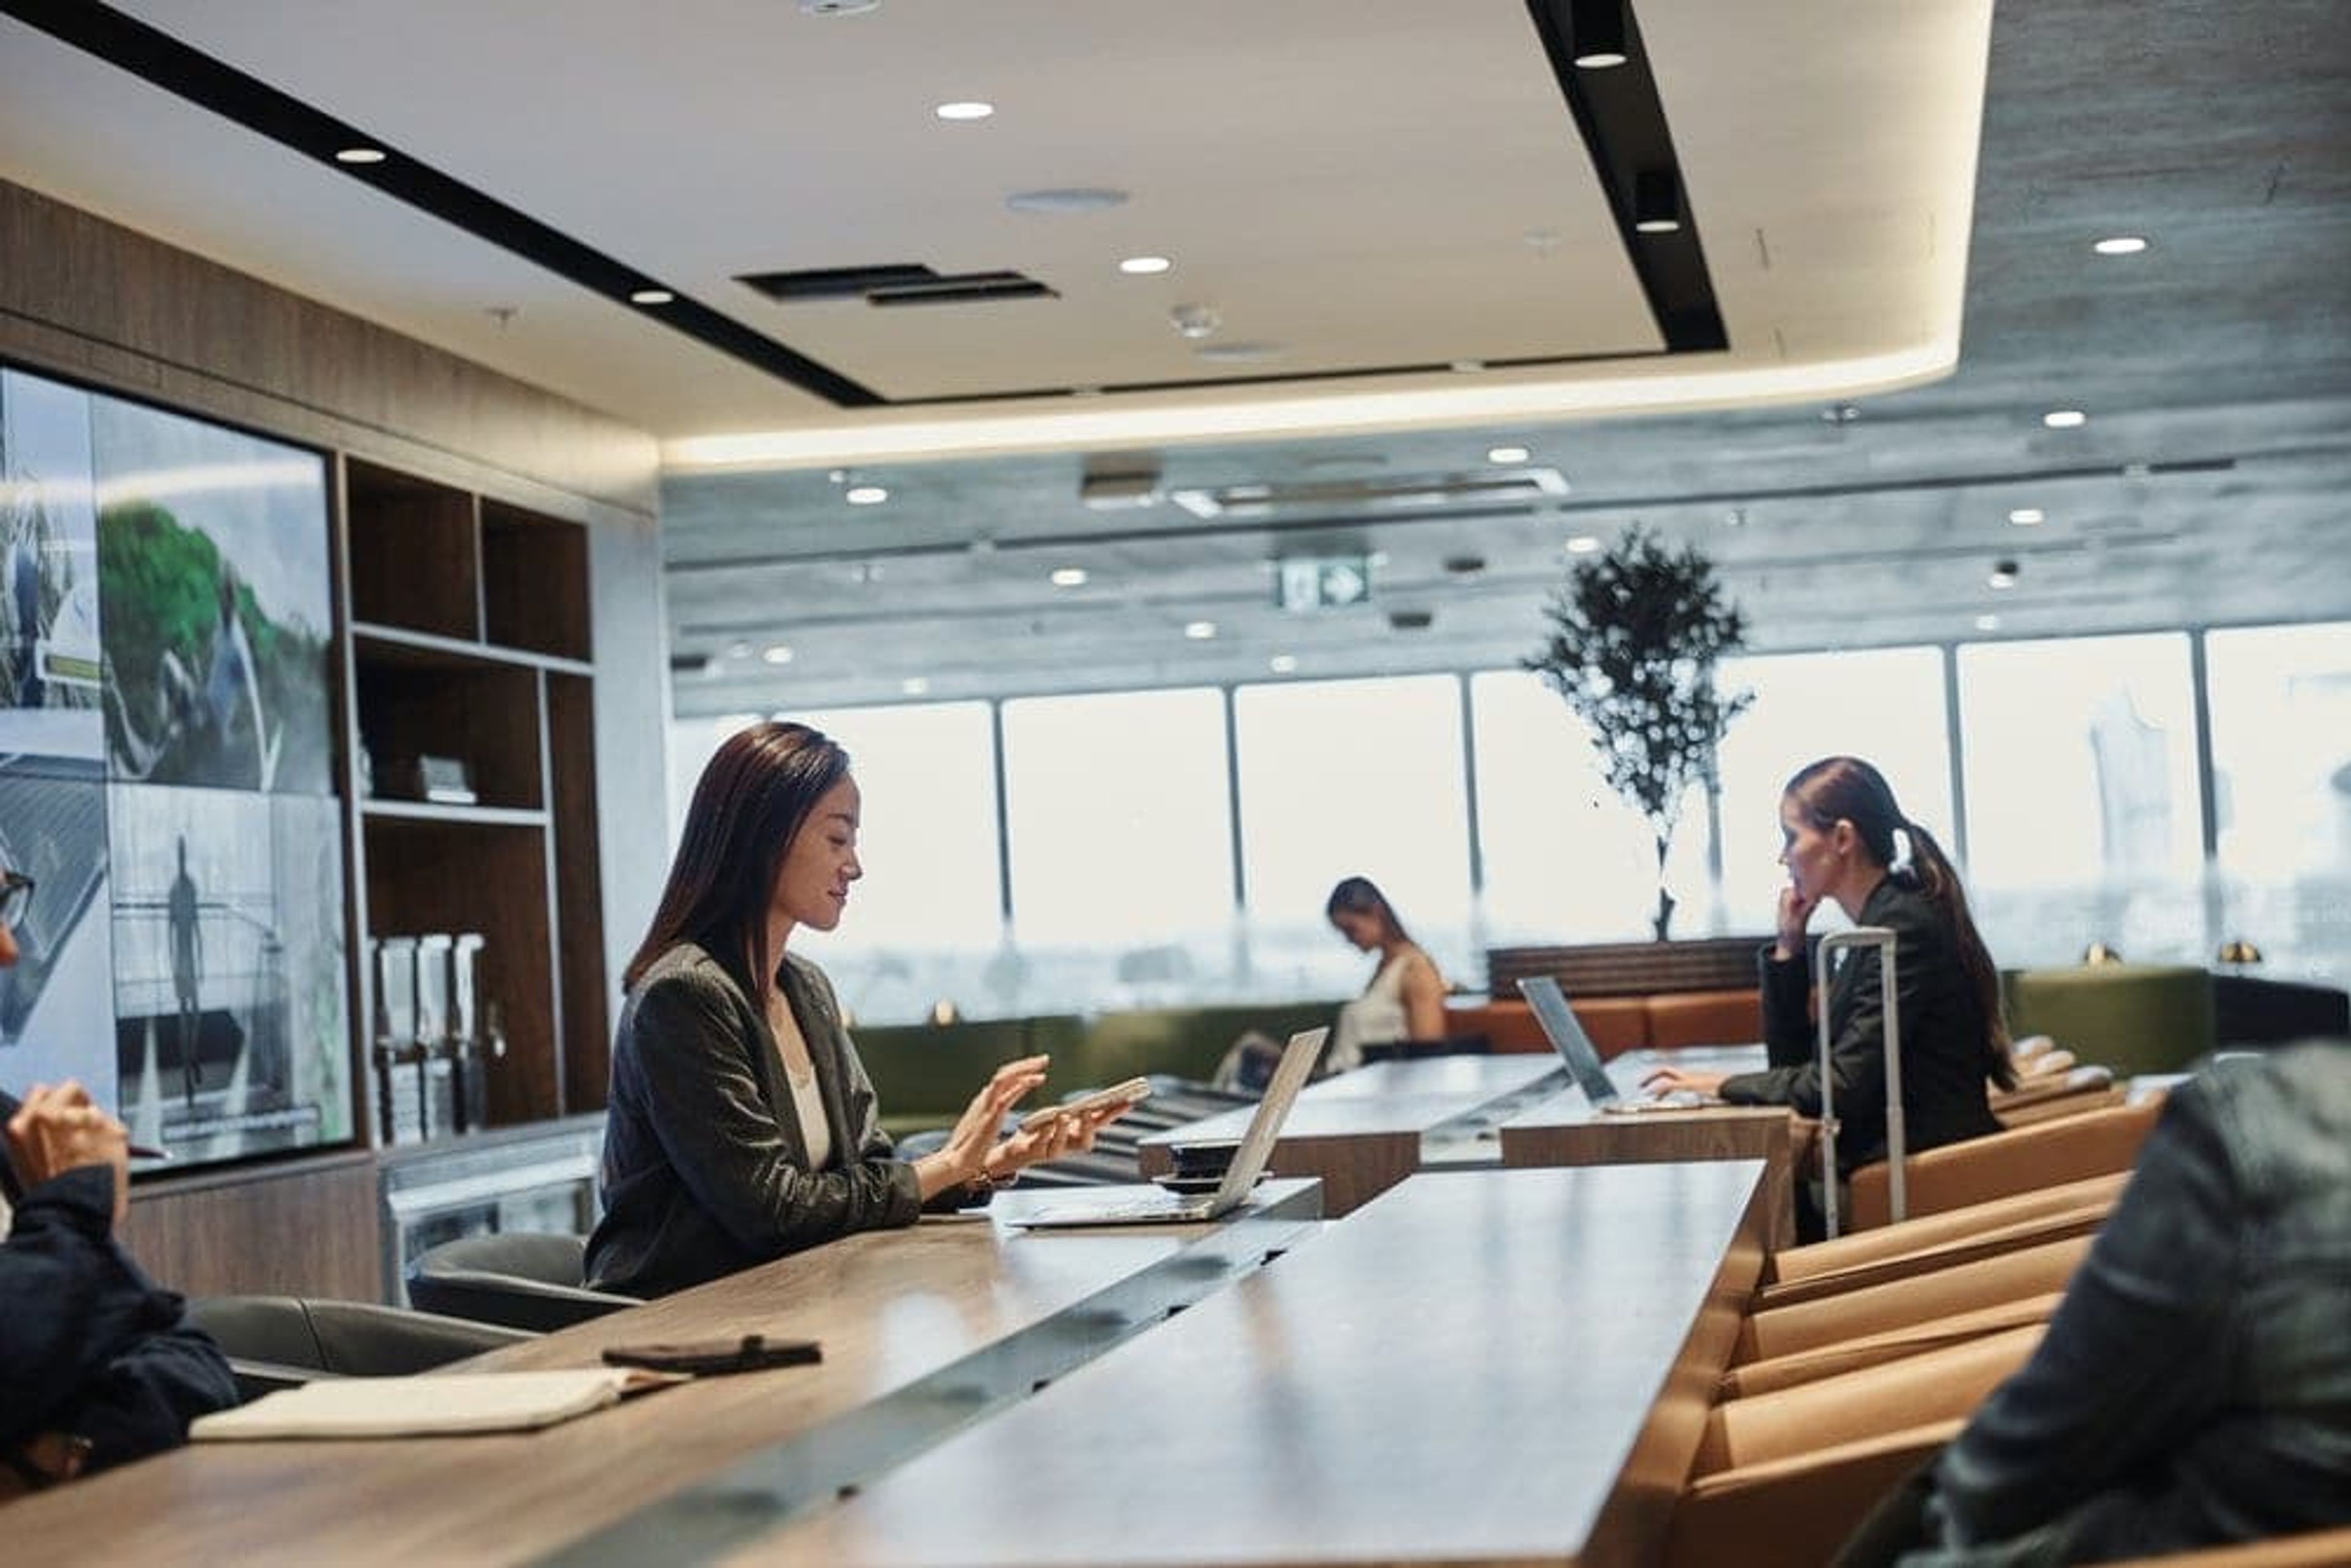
pixel 1067 199
pixel 2120 245
pixel 738 649
pixel 2003 574
pixel 865 494
pixel 1069 577
pixel 914 686
pixel 964 109
pixel 1200 631
pixel 838 7
pixel 2028 516
pixel 651 297
pixel 360 155
pixel 1597 30
pixel 1506 455
pixel 1583 544
pixel 1986 622
pixel 1144 265
pixel 1468 367
pixel 2064 419
pixel 777 653
pixel 1282 665
pixel 1735 518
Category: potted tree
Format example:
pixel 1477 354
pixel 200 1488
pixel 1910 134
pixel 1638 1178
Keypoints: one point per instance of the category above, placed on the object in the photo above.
pixel 1635 635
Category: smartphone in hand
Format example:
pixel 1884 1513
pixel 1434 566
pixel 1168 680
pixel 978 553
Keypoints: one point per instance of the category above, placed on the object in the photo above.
pixel 1133 1091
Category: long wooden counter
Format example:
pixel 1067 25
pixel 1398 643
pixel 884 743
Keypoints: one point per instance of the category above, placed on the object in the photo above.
pixel 1361 1132
pixel 1480 1367
pixel 923 1329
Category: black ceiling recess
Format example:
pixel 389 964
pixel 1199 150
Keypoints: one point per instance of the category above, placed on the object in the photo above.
pixel 1616 109
pixel 158 58
pixel 1623 122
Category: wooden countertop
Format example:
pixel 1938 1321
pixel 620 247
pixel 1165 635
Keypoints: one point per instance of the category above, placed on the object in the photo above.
pixel 1487 1367
pixel 922 1328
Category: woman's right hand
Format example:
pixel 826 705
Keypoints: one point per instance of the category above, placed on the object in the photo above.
pixel 963 1159
pixel 1795 913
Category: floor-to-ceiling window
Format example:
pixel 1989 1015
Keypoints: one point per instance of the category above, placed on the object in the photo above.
pixel 1343 778
pixel 2084 813
pixel 924 923
pixel 1121 843
pixel 1883 704
pixel 2281 699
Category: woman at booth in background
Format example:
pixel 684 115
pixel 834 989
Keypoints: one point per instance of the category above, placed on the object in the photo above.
pixel 742 1125
pixel 1405 999
pixel 1845 840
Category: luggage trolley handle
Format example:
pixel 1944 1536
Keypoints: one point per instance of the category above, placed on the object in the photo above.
pixel 1881 938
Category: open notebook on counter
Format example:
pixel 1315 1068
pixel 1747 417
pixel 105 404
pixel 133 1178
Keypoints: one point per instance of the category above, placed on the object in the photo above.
pixel 443 1406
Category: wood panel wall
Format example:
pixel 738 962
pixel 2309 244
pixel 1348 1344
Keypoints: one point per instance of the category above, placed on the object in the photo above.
pixel 89 300
pixel 305 1227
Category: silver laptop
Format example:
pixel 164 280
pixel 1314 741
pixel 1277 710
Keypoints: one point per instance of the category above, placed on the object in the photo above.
pixel 1125 1206
pixel 1565 1032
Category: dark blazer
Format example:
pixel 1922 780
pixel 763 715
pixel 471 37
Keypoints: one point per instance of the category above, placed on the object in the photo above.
pixel 88 1345
pixel 1943 1036
pixel 706 1165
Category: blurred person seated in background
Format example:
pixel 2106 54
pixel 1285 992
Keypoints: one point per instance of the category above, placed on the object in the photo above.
pixel 1405 1000
pixel 97 1365
pixel 2195 1385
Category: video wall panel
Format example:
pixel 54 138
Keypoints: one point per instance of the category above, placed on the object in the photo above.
pixel 167 773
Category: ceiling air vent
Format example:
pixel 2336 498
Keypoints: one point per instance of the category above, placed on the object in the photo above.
pixel 898 283
pixel 1392 493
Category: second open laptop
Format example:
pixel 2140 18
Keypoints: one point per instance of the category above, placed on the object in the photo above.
pixel 1565 1032
pixel 1127 1206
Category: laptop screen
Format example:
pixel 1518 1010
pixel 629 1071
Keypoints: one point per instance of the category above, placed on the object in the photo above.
pixel 1565 1032
pixel 1265 1127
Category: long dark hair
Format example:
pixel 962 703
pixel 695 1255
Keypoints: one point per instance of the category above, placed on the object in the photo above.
pixel 1359 896
pixel 754 796
pixel 1847 789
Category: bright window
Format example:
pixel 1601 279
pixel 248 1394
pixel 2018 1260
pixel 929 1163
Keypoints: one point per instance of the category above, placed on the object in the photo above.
pixel 1353 777
pixel 1884 706
pixel 1121 831
pixel 1566 859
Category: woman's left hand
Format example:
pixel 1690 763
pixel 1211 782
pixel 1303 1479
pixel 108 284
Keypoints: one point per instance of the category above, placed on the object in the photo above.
pixel 1049 1137
pixel 1665 1080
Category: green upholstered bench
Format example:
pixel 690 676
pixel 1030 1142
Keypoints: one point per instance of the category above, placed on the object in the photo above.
pixel 2129 1017
pixel 924 1074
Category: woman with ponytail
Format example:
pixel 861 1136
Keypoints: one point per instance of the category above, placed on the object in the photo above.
pixel 1845 839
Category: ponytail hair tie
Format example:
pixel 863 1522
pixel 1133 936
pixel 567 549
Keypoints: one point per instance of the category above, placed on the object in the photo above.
pixel 1902 864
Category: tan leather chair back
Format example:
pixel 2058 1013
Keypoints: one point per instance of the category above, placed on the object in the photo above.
pixel 1876 1350
pixel 1936 1230
pixel 1795 1511
pixel 1939 1385
pixel 1982 1169
pixel 1904 1303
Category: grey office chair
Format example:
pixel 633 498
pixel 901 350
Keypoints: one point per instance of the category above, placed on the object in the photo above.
pixel 521 1280
pixel 280 1342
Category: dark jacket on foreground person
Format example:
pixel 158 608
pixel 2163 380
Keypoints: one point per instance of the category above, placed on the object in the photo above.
pixel 1943 1033
pixel 88 1346
pixel 2195 1385
pixel 705 1165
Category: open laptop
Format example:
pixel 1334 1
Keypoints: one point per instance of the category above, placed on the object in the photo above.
pixel 1125 1206
pixel 1565 1032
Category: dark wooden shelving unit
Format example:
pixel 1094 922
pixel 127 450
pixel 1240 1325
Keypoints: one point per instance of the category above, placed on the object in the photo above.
pixel 470 638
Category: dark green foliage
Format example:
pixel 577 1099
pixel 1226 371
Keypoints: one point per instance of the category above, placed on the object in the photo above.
pixel 1636 632
pixel 158 593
